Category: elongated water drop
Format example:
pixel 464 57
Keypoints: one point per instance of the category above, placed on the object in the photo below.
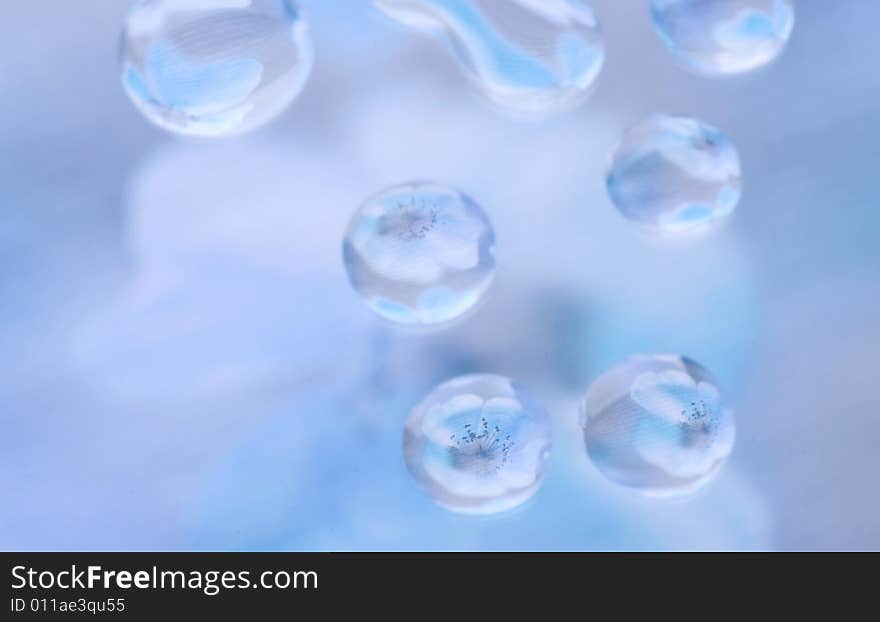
pixel 533 57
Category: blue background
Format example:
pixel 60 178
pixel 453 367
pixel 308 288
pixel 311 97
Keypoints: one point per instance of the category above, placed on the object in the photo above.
pixel 183 364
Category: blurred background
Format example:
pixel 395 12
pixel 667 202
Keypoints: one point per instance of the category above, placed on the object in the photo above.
pixel 184 365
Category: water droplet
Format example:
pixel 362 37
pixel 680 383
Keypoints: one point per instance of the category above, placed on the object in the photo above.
pixel 657 424
pixel 214 67
pixel 532 57
pixel 477 444
pixel 420 254
pixel 675 175
pixel 722 37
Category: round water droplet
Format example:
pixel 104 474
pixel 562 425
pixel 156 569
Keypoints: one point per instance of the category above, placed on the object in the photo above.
pixel 214 67
pixel 420 254
pixel 675 175
pixel 723 37
pixel 657 424
pixel 530 57
pixel 477 444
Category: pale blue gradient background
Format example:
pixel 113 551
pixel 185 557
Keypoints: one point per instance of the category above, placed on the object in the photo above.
pixel 184 365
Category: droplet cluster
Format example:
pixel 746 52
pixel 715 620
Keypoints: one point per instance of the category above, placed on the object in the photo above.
pixel 422 254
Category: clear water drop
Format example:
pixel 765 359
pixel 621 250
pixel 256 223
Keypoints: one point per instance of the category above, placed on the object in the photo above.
pixel 214 67
pixel 477 444
pixel 420 254
pixel 657 424
pixel 675 175
pixel 531 57
pixel 723 37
